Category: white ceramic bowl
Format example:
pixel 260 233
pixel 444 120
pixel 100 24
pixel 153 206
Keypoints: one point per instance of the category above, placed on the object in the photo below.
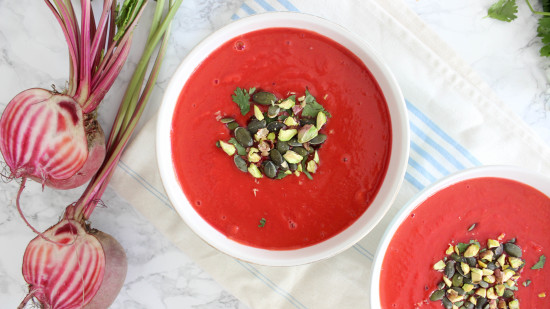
pixel 387 192
pixel 537 181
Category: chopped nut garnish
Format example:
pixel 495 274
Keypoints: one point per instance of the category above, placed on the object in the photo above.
pixel 476 277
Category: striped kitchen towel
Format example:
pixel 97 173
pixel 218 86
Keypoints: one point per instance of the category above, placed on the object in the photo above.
pixel 456 122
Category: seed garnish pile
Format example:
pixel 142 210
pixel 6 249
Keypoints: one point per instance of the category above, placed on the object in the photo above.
pixel 281 138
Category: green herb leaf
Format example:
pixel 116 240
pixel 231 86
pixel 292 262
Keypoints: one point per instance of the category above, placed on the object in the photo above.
pixel 526 283
pixel 462 247
pixel 313 107
pixel 262 222
pixel 540 263
pixel 125 15
pixel 543 31
pixel 282 175
pixel 504 10
pixel 242 98
pixel 473 226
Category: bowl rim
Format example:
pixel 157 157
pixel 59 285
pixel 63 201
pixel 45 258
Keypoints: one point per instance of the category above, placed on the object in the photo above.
pixel 398 156
pixel 516 173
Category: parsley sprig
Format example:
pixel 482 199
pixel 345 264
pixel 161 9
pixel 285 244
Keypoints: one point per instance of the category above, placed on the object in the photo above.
pixel 242 99
pixel 313 107
pixel 506 10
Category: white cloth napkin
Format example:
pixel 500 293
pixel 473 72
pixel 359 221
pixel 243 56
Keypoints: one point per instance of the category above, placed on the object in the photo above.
pixel 456 122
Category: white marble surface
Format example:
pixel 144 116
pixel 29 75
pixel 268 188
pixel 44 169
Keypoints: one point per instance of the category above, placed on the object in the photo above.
pixel 33 53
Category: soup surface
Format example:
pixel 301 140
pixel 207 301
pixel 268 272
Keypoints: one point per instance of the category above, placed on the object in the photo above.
pixel 293 212
pixel 497 206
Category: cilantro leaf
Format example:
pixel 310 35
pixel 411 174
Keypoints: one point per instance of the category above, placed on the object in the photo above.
pixel 504 10
pixel 242 98
pixel 262 222
pixel 313 107
pixel 544 33
pixel 540 263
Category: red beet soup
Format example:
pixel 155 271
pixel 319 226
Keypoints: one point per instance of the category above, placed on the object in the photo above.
pixel 497 206
pixel 298 212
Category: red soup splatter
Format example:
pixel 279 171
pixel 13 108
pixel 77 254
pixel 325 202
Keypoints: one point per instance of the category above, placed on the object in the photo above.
pixel 496 206
pixel 298 212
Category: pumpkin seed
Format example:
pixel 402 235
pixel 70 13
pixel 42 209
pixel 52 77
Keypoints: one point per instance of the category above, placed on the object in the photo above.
pixel 276 156
pixel 319 139
pixel 282 147
pixel 471 261
pixel 241 151
pixel 447 304
pixel 483 284
pixel 255 124
pixel 437 295
pixel 304 121
pixel 512 250
pixel 459 290
pixel 275 126
pixel 301 151
pixel 450 269
pixel 481 302
pixel 240 163
pixel 468 305
pixel 264 98
pixel 455 257
pixel 232 125
pixel 227 120
pixel 508 293
pixel 458 280
pixel 270 169
pixel 293 166
pixel 273 111
pixel 294 142
pixel 244 137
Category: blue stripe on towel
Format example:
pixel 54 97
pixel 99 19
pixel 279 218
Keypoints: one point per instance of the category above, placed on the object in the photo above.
pixel 414 110
pixel 413 181
pixel 428 140
pixel 363 251
pixel 248 9
pixel 421 169
pixel 289 6
pixel 266 6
